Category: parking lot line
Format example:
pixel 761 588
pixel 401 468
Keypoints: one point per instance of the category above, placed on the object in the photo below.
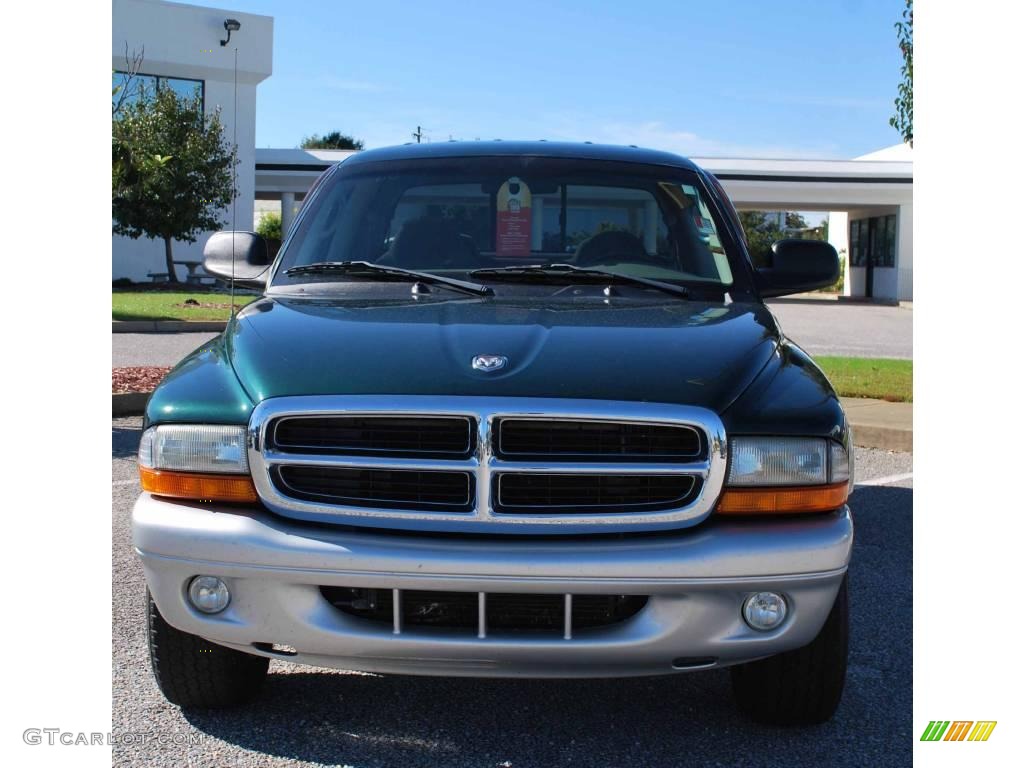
pixel 888 480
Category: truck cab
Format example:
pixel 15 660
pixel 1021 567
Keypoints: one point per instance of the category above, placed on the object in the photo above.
pixel 503 409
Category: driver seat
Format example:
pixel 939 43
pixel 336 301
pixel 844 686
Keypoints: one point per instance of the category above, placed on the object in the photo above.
pixel 610 246
pixel 430 242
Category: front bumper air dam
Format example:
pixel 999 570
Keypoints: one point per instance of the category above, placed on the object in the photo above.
pixel 696 581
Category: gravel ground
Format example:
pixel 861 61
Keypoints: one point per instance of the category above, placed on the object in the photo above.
pixel 310 716
pixel 820 327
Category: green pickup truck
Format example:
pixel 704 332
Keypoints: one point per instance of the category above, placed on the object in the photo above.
pixel 503 410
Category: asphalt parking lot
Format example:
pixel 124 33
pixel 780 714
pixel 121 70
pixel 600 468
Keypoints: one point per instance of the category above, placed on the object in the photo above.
pixel 820 327
pixel 312 716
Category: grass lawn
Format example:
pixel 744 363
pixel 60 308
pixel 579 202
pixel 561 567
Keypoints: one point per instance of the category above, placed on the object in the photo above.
pixel 164 305
pixel 891 380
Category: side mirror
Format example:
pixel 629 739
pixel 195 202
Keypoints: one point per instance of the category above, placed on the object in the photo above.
pixel 251 257
pixel 798 266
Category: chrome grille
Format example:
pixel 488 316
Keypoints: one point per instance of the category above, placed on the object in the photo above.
pixel 482 464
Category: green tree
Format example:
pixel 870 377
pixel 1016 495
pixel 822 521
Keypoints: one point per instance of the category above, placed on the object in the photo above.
pixel 903 120
pixel 795 221
pixel 332 140
pixel 172 170
pixel 761 233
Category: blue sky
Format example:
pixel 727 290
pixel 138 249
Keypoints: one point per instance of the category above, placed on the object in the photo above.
pixel 781 79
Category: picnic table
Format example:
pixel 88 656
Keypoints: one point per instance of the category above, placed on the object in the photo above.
pixel 191 265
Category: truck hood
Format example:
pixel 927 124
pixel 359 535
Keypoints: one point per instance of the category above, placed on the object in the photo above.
pixel 673 352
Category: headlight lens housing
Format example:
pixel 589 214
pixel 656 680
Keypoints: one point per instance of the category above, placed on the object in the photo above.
pixel 785 475
pixel 207 462
pixel 194 448
pixel 778 461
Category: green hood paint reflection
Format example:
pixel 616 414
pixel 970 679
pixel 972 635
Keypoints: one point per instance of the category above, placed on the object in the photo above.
pixel 669 352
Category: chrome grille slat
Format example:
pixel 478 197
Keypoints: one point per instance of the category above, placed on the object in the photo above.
pixel 486 464
pixel 596 440
pixel 374 435
pixel 566 492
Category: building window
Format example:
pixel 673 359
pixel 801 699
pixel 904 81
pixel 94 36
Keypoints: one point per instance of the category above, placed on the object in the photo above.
pixel 141 85
pixel 873 241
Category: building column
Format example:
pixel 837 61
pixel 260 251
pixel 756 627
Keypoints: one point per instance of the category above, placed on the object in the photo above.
pixel 287 212
pixel 839 237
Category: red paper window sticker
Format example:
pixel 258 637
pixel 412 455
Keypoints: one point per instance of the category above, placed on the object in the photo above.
pixel 513 230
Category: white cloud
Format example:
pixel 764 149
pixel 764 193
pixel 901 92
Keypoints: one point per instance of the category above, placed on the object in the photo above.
pixel 656 135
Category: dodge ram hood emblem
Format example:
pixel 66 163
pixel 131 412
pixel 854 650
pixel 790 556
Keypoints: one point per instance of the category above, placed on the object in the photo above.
pixel 489 363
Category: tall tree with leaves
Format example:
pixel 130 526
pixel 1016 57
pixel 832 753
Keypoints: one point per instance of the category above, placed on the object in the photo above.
pixel 178 181
pixel 903 120
pixel 332 140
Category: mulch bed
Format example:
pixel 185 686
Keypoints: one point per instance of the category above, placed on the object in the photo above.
pixel 137 379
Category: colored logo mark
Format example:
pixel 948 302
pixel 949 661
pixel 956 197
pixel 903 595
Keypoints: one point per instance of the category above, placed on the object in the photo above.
pixel 958 730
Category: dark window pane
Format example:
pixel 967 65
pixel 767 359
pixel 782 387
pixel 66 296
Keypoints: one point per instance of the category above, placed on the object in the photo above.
pixel 890 241
pixel 856 243
pixel 185 89
pixel 134 88
pixel 144 86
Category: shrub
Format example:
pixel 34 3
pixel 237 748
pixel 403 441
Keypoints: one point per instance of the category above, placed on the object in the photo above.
pixel 270 226
pixel 837 286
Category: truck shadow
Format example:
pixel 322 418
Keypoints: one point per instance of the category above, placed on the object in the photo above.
pixel 370 720
pixel 124 440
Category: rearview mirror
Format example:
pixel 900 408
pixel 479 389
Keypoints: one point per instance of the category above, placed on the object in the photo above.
pixel 798 266
pixel 251 257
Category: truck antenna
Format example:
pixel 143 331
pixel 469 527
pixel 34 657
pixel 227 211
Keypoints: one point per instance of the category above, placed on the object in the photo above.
pixel 234 183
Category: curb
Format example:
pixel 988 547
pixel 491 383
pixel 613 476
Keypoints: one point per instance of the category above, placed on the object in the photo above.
pixel 129 403
pixel 864 300
pixel 880 424
pixel 168 326
pixel 886 438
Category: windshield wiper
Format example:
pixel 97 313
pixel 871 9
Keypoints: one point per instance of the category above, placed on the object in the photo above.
pixel 545 271
pixel 368 269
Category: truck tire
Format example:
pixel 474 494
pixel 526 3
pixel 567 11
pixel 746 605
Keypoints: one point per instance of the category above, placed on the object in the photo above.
pixel 801 687
pixel 197 674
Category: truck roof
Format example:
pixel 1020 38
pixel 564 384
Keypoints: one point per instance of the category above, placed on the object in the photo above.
pixel 497 148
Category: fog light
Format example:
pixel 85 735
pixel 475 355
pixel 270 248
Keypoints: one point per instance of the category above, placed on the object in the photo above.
pixel 208 594
pixel 764 611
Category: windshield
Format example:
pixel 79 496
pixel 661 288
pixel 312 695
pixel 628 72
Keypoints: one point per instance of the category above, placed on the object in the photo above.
pixel 454 216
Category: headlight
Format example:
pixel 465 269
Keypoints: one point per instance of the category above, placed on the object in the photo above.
pixel 785 474
pixel 196 461
pixel 194 448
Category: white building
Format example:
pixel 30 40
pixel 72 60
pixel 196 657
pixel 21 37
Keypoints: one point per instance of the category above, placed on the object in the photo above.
pixel 181 47
pixel 869 199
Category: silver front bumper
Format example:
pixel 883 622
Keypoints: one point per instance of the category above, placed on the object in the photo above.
pixel 696 580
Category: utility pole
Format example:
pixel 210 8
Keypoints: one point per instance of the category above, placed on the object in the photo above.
pixel 418 135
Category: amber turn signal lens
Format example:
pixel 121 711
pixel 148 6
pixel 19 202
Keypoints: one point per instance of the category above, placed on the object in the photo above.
pixel 202 487
pixel 770 501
